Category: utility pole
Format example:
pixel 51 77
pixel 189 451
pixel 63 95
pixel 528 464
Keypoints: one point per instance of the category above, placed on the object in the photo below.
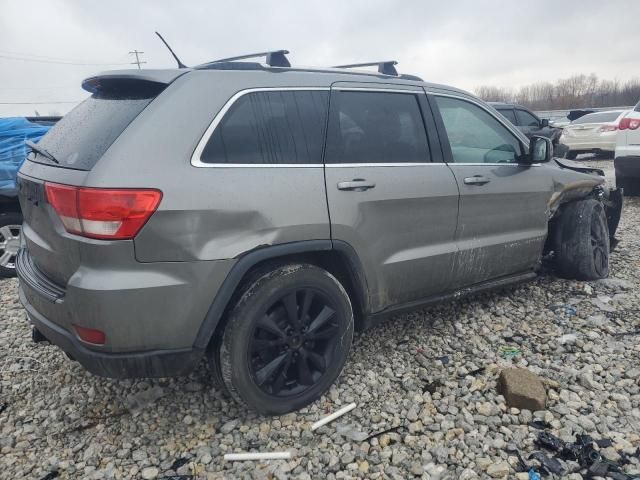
pixel 138 61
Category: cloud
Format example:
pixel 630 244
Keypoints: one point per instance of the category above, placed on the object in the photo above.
pixel 463 43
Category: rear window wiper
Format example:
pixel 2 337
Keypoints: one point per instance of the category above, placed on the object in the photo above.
pixel 42 151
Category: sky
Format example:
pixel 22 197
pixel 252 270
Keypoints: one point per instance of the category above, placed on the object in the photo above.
pixel 48 47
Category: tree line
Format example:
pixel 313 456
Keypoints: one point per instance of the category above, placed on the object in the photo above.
pixel 577 91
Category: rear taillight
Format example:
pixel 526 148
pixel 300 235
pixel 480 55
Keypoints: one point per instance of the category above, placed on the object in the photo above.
pixel 608 128
pixel 629 123
pixel 104 213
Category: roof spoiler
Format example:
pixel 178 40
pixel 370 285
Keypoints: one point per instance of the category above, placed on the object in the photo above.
pixel 131 82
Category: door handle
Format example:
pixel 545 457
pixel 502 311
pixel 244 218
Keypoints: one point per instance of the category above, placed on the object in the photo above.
pixel 476 180
pixel 356 185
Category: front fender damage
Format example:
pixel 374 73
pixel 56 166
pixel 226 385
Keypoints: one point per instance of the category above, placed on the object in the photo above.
pixel 588 183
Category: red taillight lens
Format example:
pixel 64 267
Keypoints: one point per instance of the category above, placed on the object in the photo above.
pixel 90 335
pixel 629 123
pixel 104 213
pixel 608 128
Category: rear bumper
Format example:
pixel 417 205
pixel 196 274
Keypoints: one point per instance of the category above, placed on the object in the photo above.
pixel 150 313
pixel 155 363
pixel 576 145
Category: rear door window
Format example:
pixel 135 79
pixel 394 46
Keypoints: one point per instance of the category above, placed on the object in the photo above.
pixel 525 119
pixel 271 127
pixel 83 135
pixel 376 127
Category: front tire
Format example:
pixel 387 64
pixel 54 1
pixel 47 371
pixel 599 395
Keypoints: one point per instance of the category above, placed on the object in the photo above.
pixel 583 247
pixel 571 155
pixel 10 227
pixel 287 339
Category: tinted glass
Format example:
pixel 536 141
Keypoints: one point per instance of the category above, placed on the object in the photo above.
pixel 280 127
pixel 525 119
pixel 376 127
pixel 83 135
pixel 508 114
pixel 476 136
pixel 601 117
pixel 637 109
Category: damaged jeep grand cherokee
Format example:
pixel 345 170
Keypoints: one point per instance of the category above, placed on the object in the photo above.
pixel 258 214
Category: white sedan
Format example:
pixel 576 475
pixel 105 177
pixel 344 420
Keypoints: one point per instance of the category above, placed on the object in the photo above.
pixel 592 133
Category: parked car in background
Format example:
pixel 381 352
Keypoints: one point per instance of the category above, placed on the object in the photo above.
pixel 592 133
pixel 527 121
pixel 627 153
pixel 257 214
pixel 14 133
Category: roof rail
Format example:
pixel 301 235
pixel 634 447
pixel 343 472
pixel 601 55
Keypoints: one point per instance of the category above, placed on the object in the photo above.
pixel 386 67
pixel 275 58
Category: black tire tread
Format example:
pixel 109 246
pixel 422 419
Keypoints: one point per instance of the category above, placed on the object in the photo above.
pixel 574 253
pixel 236 316
pixel 9 218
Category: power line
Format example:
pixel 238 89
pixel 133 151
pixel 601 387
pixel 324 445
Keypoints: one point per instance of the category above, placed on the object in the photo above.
pixel 138 61
pixel 23 58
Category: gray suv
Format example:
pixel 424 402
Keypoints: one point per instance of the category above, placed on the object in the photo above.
pixel 258 214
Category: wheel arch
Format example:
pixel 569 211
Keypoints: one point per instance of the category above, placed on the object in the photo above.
pixel 338 258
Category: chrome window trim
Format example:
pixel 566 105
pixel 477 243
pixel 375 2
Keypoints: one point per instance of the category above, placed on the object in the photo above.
pixel 197 153
pixel 415 91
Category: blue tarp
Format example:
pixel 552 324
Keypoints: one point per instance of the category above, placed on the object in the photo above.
pixel 14 132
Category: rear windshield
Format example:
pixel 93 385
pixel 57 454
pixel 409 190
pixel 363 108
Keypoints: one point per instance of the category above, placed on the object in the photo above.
pixel 83 135
pixel 600 117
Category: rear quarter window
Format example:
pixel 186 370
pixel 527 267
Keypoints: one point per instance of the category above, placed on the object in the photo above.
pixel 82 136
pixel 270 127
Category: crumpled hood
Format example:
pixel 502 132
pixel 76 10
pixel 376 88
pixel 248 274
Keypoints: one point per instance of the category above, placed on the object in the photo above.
pixel 578 167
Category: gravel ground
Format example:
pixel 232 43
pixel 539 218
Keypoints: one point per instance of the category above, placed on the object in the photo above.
pixel 414 374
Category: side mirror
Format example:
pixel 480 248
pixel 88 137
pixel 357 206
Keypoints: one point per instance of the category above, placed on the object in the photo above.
pixel 540 149
pixel 544 123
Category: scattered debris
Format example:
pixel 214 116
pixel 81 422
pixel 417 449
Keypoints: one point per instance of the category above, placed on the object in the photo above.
pixel 522 389
pixel 540 424
pixel 51 475
pixel 509 352
pixel 3 406
pixel 548 464
pixel 388 430
pixel 431 387
pixel 444 359
pixel 584 452
pixel 136 402
pixel 533 475
pixel 333 416
pixel 602 302
pixel 238 457
pixel 178 462
pixel 351 433
pixel 473 373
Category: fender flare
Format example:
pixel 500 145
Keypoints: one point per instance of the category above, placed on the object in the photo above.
pixel 253 257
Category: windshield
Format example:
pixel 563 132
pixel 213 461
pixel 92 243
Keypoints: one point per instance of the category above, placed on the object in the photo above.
pixel 600 117
pixel 84 134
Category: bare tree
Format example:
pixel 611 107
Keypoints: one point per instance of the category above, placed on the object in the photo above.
pixel 577 91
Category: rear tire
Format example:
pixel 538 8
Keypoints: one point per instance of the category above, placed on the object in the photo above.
pixel 10 226
pixel 287 339
pixel 582 250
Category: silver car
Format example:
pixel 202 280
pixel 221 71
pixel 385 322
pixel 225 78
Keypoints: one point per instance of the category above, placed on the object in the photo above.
pixel 592 133
pixel 257 214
